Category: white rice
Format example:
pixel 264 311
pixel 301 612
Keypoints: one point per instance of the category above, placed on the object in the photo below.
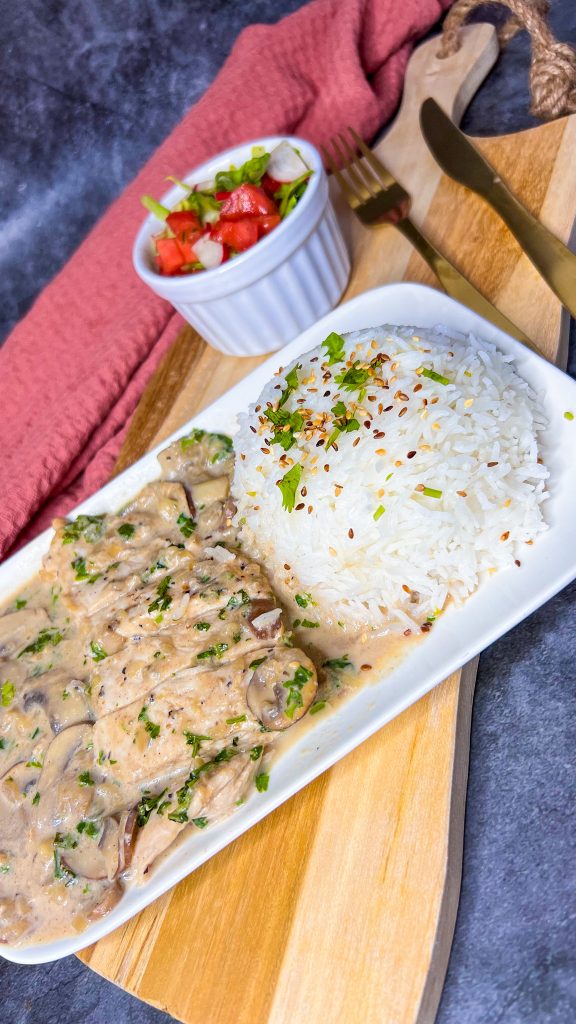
pixel 475 439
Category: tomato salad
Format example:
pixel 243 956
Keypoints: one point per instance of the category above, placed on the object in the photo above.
pixel 221 218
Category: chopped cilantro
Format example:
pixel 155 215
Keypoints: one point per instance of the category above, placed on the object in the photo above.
pixel 90 528
pixel 334 345
pixel 186 524
pixel 98 652
pixel 126 530
pixel 289 485
pixel 61 871
pixel 317 706
pixel 64 841
pixel 256 753
pixel 148 803
pixel 262 781
pixel 79 566
pixel 308 624
pixel 89 828
pixel 303 600
pixel 45 637
pixel 257 661
pixel 294 687
pixel 216 651
pixel 163 601
pixel 200 822
pixel 36 799
pixel 432 375
pixel 338 664
pixel 202 626
pixel 151 727
pixel 21 602
pixel 195 740
pixel 238 599
pixel 291 382
pixel 85 779
pixel 7 693
pixel 352 379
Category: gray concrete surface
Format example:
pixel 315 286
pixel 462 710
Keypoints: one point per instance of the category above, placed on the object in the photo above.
pixel 88 89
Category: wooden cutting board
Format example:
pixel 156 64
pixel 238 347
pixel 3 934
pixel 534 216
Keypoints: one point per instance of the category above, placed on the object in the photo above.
pixel 340 906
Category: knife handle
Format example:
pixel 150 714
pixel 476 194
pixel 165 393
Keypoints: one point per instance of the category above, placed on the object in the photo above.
pixel 550 256
pixel 456 285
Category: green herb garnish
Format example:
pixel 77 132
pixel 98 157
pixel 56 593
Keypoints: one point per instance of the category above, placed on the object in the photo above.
pixel 338 664
pixel 127 530
pixel 186 524
pixel 432 375
pixel 45 637
pixel 98 652
pixel 61 871
pixel 236 721
pixel 200 822
pixel 21 602
pixel 148 803
pixel 379 513
pixel 195 740
pixel 261 781
pixel 289 485
pixel 7 693
pixel 216 651
pixel 238 599
pixel 257 661
pixel 90 528
pixel 163 601
pixel 256 753
pixel 352 379
pixel 85 779
pixel 64 841
pixel 291 382
pixel 317 706
pixel 303 600
pixel 334 345
pixel 431 492
pixel 294 687
pixel 89 828
pixel 151 727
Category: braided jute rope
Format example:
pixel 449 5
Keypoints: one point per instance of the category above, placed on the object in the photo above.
pixel 553 69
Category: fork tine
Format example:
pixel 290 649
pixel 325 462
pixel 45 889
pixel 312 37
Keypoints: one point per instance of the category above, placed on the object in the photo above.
pixel 369 179
pixel 347 189
pixel 383 176
pixel 348 163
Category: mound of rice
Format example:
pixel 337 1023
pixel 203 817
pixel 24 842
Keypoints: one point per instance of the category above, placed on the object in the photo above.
pixel 387 472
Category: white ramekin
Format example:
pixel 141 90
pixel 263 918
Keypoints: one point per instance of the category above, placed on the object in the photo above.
pixel 263 298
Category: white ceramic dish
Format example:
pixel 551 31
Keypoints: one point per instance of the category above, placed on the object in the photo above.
pixel 503 601
pixel 263 298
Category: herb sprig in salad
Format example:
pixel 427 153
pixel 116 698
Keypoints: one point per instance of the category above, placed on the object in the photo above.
pixel 223 217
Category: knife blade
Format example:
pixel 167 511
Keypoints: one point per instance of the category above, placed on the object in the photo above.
pixel 460 160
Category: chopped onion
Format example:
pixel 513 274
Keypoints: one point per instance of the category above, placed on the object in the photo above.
pixel 209 252
pixel 285 164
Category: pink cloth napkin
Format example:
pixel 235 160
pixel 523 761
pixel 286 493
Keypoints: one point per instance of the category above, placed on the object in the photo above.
pixel 73 369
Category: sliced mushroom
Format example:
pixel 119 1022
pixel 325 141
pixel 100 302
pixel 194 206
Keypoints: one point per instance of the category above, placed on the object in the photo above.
pixel 65 796
pixel 128 832
pixel 61 752
pixel 96 858
pixel 264 619
pixel 21 628
pixel 107 903
pixel 63 699
pixel 282 689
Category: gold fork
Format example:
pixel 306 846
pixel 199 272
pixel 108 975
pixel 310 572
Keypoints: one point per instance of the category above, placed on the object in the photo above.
pixel 377 198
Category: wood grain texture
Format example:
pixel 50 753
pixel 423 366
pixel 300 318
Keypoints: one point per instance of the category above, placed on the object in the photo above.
pixel 340 906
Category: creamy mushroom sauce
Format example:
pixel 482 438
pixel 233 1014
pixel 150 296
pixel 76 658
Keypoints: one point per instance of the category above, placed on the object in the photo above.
pixel 144 675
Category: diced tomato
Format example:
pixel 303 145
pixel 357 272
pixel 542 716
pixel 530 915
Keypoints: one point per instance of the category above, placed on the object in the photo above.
pixel 169 256
pixel 186 241
pixel 270 185
pixel 182 220
pixel 247 201
pixel 267 223
pixel 222 196
pixel 238 234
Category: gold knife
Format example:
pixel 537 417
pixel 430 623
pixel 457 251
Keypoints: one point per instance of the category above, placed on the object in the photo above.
pixel 460 160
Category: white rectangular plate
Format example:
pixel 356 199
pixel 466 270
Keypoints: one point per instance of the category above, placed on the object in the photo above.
pixel 500 604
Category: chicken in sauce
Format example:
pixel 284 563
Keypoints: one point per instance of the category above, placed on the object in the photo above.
pixel 143 677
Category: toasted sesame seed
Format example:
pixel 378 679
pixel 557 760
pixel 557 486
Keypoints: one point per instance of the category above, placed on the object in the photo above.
pixel 403 411
pixel 326 468
pixel 419 487
pixel 398 462
pixel 490 464
pixel 355 442
pixel 468 403
pixel 300 506
pixel 407 632
pixel 367 424
pixel 462 494
pixel 517 562
pixel 253 429
pixel 286 566
pixel 380 451
pixel 333 552
pixel 410 455
pixel 434 400
pixel 365 668
pixel 265 451
pixel 351 533
pixel 401 396
pixel 309 509
pixel 338 489
pixel 379 433
pixel 242 456
pixel 426 627
pixel 388 408
pixel 326 394
pixel 505 535
pixel 320 442
pixel 417 387
pixel 406 589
